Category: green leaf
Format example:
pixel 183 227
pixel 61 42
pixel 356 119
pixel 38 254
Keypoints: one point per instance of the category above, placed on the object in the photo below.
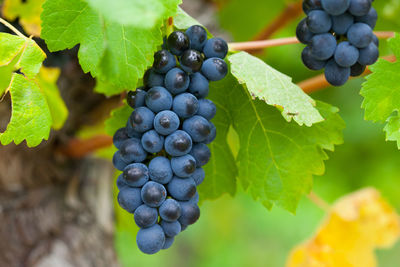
pixel 381 92
pixel 183 20
pixel 31 118
pixel 118 119
pixel 392 129
pixel 275 88
pixel 113 52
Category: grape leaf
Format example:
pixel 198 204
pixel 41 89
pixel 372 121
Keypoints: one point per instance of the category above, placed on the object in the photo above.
pixel 183 20
pixel 113 52
pixel 28 12
pixel 381 92
pixel 118 119
pixel 275 88
pixel 392 129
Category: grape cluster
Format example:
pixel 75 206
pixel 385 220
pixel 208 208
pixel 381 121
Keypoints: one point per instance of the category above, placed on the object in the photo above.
pixel 339 37
pixel 164 145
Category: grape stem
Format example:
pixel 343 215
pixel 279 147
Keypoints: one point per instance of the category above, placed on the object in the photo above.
pixel 317 200
pixel 257 45
pixel 78 148
pixel 12 28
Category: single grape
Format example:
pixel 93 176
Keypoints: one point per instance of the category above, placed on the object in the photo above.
pixel 166 122
pixel 136 174
pixel 185 105
pixel 207 109
pixel 318 21
pixel 198 175
pixel 178 143
pixel 201 153
pixel 335 74
pixel 212 135
pixel 170 210
pixel 119 137
pixel 118 162
pixel 359 7
pixel 153 194
pixel 190 213
pixel 335 7
pixel 171 229
pixel 197 127
pixel 168 242
pixel 158 99
pixel 369 55
pixel 150 240
pixel 136 98
pixel 309 5
pixel 160 170
pixel 323 46
pixel 152 79
pixel 163 61
pixel 129 199
pixel 191 61
pixel 176 81
pixel 197 36
pixel 178 42
pixel 215 47
pixel 303 33
pixel 357 69
pixel 152 142
pixel 199 85
pixel 346 55
pixel 369 19
pixel 183 166
pixel 121 184
pixel 183 227
pixel 214 69
pixel 132 151
pixel 195 199
pixel 341 23
pixel 360 35
pixel 182 188
pixel 309 61
pixel 141 119
pixel 145 216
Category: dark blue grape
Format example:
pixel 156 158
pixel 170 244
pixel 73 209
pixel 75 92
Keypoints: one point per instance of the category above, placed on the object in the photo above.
pixel 197 36
pixel 215 47
pixel 176 81
pixel 121 183
pixel 201 153
pixel 166 122
pixel 145 216
pixel 309 61
pixel 150 240
pixel 369 19
pixel 158 99
pixel 170 210
pixel 136 174
pixel 171 229
pixel 178 42
pixel 183 166
pixel 191 61
pixel 303 34
pixel 195 199
pixel 129 199
pixel 360 35
pixel 359 7
pixel 132 151
pixel 182 188
pixel 131 132
pixel 160 170
pixel 152 79
pixel 197 127
pixel 185 105
pixel 346 55
pixel 163 61
pixel 207 109
pixel 152 142
pixel 190 213
pixel 141 119
pixel 214 69
pixel 119 137
pixel 323 46
pixel 199 85
pixel 118 162
pixel 341 23
pixel 335 7
pixel 309 5
pixel 168 242
pixel 153 194
pixel 212 135
pixel 368 55
pixel 198 176
pixel 136 98
pixel 178 143
pixel 318 21
pixel 357 69
pixel 335 74
pixel 375 40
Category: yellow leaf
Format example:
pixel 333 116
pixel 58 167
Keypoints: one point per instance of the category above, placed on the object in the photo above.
pixel 28 12
pixel 356 225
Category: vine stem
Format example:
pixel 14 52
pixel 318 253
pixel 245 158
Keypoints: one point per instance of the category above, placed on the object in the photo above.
pixel 78 148
pixel 11 27
pixel 317 200
pixel 257 45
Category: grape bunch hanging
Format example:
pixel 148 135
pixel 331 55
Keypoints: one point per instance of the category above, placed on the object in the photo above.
pixel 339 37
pixel 164 145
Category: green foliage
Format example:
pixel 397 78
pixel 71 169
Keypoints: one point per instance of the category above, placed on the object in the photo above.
pixel 113 52
pixel 381 93
pixel 118 119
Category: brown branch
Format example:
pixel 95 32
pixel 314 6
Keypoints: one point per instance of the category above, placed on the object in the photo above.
pixel 78 148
